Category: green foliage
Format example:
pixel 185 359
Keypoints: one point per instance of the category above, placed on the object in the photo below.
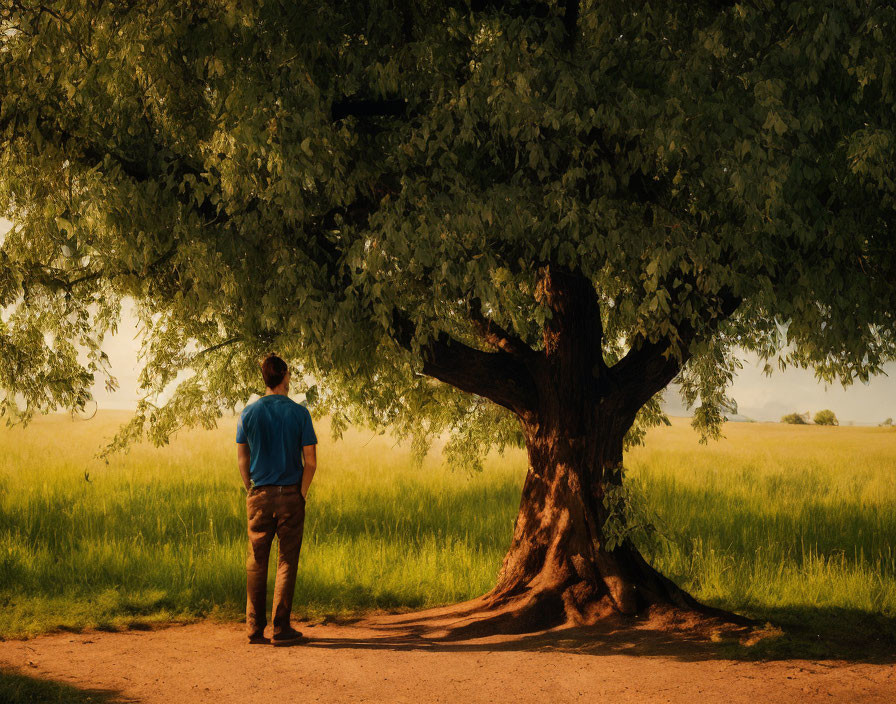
pixel 795 419
pixel 826 417
pixel 277 177
pixel 887 423
pixel 629 517
pixel 649 416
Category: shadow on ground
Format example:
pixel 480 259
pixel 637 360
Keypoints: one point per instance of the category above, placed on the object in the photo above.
pixel 18 688
pixel 785 633
pixel 822 633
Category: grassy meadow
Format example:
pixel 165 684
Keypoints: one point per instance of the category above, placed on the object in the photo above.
pixel 795 524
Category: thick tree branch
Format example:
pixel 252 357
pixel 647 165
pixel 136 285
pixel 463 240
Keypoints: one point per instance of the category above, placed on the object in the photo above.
pixel 649 367
pixel 497 376
pixel 213 348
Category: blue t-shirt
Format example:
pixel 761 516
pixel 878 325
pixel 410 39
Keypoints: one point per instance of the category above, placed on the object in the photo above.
pixel 276 428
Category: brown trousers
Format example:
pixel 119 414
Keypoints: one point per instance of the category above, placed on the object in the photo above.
pixel 280 511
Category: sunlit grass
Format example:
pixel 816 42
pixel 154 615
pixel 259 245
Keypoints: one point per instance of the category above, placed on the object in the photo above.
pixel 160 533
pixel 776 515
pixel 774 520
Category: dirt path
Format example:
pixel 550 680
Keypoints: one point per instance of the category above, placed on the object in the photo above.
pixel 388 660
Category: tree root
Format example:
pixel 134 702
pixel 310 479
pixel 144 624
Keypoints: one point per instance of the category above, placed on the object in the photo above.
pixel 573 605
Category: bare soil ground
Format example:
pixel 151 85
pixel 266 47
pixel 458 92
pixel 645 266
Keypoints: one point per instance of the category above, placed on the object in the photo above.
pixel 393 658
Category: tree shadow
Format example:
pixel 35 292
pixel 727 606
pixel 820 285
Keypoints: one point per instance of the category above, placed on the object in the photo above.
pixel 822 633
pixel 19 688
pixel 788 633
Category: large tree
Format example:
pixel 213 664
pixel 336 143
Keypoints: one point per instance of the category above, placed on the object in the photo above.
pixel 514 221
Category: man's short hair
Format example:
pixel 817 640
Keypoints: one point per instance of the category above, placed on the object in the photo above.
pixel 273 369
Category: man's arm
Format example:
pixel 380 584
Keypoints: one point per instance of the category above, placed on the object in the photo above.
pixel 309 457
pixel 243 460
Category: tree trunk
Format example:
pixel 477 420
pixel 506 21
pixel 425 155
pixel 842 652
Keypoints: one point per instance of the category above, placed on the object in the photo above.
pixel 559 568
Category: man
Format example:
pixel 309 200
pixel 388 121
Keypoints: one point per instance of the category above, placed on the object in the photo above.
pixel 276 454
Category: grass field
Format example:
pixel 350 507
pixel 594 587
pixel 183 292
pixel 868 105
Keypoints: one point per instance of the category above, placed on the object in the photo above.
pixel 790 523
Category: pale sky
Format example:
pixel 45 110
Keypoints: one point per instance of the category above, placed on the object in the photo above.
pixel 758 397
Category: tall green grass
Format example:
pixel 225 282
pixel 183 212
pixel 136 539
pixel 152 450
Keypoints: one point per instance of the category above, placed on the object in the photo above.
pixel 777 516
pixel 160 533
pixel 772 520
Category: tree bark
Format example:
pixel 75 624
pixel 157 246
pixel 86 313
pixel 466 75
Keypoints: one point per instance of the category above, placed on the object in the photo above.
pixel 559 567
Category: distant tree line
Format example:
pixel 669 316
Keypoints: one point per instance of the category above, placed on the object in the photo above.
pixel 825 417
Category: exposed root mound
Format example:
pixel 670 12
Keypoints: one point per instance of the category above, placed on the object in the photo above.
pixel 534 611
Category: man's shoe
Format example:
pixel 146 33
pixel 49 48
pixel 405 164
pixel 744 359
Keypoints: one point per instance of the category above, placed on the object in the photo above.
pixel 289 636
